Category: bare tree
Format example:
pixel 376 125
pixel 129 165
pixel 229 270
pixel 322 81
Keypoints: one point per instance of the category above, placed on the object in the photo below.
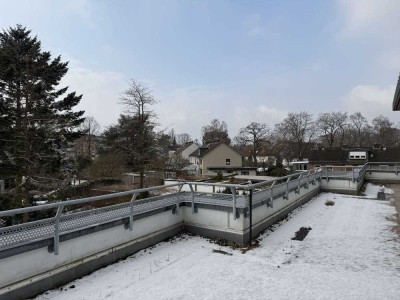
pixel 172 139
pixel 183 138
pixel 296 132
pixel 331 125
pixel 385 132
pixel 256 135
pixel 91 128
pixel 358 127
pixel 138 101
pixel 216 131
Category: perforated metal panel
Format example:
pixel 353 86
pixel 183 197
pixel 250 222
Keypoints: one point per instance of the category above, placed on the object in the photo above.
pixel 304 180
pixel 281 188
pixel 80 220
pixel 262 196
pixel 19 234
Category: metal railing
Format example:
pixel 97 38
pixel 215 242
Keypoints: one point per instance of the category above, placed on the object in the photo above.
pixel 63 221
pixel 384 167
pixel 357 173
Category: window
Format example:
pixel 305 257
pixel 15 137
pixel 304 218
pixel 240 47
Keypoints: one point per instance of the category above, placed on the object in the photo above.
pixel 228 161
pixel 245 172
pixel 357 154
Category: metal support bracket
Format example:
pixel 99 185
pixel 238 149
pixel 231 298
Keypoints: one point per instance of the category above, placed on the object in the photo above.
pixel 233 190
pixel 270 202
pixel 194 209
pixel 131 211
pixel 237 215
pixel 57 230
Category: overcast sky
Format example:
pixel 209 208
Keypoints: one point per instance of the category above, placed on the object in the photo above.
pixel 238 61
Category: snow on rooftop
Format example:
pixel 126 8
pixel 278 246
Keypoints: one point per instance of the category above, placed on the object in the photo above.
pixel 371 190
pixel 351 252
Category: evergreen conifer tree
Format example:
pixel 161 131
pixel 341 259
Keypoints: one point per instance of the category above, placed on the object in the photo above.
pixel 36 117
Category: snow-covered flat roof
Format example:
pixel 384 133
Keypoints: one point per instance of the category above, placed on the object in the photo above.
pixel 350 252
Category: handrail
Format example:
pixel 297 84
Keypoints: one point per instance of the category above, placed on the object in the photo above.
pixel 65 203
pixel 54 223
pixel 23 210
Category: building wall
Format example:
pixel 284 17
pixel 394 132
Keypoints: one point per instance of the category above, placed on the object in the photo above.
pixel 194 160
pixel 189 150
pixel 217 158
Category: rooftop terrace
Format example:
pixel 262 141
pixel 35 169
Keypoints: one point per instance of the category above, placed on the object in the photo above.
pixel 351 251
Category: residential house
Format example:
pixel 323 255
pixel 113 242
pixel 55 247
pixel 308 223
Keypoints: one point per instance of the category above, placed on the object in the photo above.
pixel 264 156
pixel 217 157
pixel 179 159
pixel 352 156
pixel 299 165
pixel 186 149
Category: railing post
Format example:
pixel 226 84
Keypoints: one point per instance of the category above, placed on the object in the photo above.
pixel 191 190
pixel 352 174
pixel 57 230
pixel 233 190
pixel 271 199
pixel 178 200
pixel 131 211
pixel 251 214
pixel 396 169
pixel 299 184
pixel 287 189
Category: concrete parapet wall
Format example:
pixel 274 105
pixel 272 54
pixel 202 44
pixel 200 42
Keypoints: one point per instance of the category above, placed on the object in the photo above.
pixel 382 177
pixel 264 215
pixel 51 278
pixel 33 268
pixel 341 186
pixel 39 265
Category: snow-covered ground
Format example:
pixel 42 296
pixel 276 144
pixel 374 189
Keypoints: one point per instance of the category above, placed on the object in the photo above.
pixel 371 190
pixel 351 252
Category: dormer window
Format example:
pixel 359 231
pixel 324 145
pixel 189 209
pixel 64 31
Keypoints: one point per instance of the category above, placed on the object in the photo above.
pixel 357 154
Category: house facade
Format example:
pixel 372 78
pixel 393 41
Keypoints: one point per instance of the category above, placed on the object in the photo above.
pixel 186 149
pixel 300 165
pixel 180 159
pixel 264 156
pixel 219 157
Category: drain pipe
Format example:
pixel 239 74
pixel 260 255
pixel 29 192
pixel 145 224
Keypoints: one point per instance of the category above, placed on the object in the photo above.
pixel 251 214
